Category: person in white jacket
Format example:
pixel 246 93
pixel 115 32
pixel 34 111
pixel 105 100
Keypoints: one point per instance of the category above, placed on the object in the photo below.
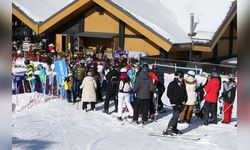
pixel 125 87
pixel 191 84
pixel 88 87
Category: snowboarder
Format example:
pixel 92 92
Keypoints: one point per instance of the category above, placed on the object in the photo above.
pixel 191 85
pixel 228 96
pixel 212 89
pixel 143 88
pixel 125 88
pixel 88 87
pixel 177 95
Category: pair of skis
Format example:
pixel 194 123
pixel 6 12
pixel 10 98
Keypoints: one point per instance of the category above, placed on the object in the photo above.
pixel 193 137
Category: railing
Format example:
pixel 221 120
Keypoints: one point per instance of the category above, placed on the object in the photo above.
pixel 170 66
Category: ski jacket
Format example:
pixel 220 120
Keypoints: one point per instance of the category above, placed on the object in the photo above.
pixel 143 85
pixel 212 89
pixel 177 93
pixel 80 72
pixel 229 91
pixel 125 85
pixel 88 87
pixel 191 85
pixel 29 71
pixel 112 81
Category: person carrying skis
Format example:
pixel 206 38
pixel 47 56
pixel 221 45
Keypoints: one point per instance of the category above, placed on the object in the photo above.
pixel 112 79
pixel 191 85
pixel 29 75
pixel 125 88
pixel 228 96
pixel 212 89
pixel 42 77
pixel 177 95
pixel 142 88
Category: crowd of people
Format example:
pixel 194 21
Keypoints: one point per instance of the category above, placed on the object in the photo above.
pixel 136 88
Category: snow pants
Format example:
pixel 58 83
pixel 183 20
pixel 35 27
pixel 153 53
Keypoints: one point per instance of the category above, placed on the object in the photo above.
pixel 227 112
pixel 210 108
pixel 84 105
pixel 110 95
pixel 141 105
pixel 174 120
pixel 124 97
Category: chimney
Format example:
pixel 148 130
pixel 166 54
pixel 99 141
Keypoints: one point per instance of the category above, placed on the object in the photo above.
pixel 191 25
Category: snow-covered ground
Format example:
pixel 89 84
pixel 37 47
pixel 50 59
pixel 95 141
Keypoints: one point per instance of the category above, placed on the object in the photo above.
pixel 41 122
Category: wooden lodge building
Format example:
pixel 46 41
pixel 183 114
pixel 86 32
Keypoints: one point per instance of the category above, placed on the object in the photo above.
pixel 116 24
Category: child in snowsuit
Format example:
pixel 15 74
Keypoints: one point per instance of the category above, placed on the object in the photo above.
pixel 68 85
pixel 228 96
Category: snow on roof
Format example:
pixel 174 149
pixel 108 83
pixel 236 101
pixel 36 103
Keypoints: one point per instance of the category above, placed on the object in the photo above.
pixel 171 18
pixel 41 10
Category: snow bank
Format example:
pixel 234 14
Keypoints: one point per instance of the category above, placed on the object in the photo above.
pixel 26 101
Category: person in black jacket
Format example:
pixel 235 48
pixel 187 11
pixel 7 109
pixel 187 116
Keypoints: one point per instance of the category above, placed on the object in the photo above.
pixel 228 96
pixel 177 95
pixel 112 83
pixel 142 88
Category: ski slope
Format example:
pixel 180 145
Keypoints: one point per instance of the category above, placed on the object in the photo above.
pixel 42 122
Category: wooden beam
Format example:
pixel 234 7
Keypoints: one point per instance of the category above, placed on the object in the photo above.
pixel 138 26
pixel 121 34
pixel 231 40
pixel 202 48
pixel 61 15
pixel 25 19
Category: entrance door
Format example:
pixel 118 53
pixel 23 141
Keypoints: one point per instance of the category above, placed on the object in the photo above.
pixel 63 42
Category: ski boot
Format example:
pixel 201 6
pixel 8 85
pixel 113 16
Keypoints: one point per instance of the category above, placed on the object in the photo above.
pixel 169 131
pixel 120 118
pixel 177 131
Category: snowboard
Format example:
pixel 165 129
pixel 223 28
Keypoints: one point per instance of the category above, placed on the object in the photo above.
pixel 193 137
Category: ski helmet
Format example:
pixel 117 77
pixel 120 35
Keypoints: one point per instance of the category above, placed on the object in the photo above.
pixel 82 62
pixel 39 67
pixel 27 62
pixel 191 73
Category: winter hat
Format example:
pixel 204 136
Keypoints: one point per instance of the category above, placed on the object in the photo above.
pixel 191 73
pixel 123 70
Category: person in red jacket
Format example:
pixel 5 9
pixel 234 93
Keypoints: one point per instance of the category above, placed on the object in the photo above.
pixel 212 89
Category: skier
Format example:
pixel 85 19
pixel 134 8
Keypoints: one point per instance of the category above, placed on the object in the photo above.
pixel 143 88
pixel 125 88
pixel 88 87
pixel 42 77
pixel 97 77
pixel 212 91
pixel 191 85
pixel 79 73
pixel 29 74
pixel 177 95
pixel 228 96
pixel 112 80
pixel 160 87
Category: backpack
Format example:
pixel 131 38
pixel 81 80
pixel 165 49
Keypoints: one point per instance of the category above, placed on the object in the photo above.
pixel 126 88
pixel 114 81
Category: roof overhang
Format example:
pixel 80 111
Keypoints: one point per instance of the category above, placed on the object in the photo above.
pixel 97 35
pixel 208 47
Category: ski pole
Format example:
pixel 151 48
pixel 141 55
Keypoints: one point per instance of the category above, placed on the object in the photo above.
pixel 24 89
pixel 227 108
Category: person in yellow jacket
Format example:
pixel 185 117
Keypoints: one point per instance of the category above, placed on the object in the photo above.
pixel 68 85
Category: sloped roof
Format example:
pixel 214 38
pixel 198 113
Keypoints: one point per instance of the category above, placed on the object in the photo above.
pixel 166 22
pixel 41 10
pixel 171 18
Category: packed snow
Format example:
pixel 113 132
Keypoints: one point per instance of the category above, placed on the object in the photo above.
pixel 171 18
pixel 41 10
pixel 43 122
